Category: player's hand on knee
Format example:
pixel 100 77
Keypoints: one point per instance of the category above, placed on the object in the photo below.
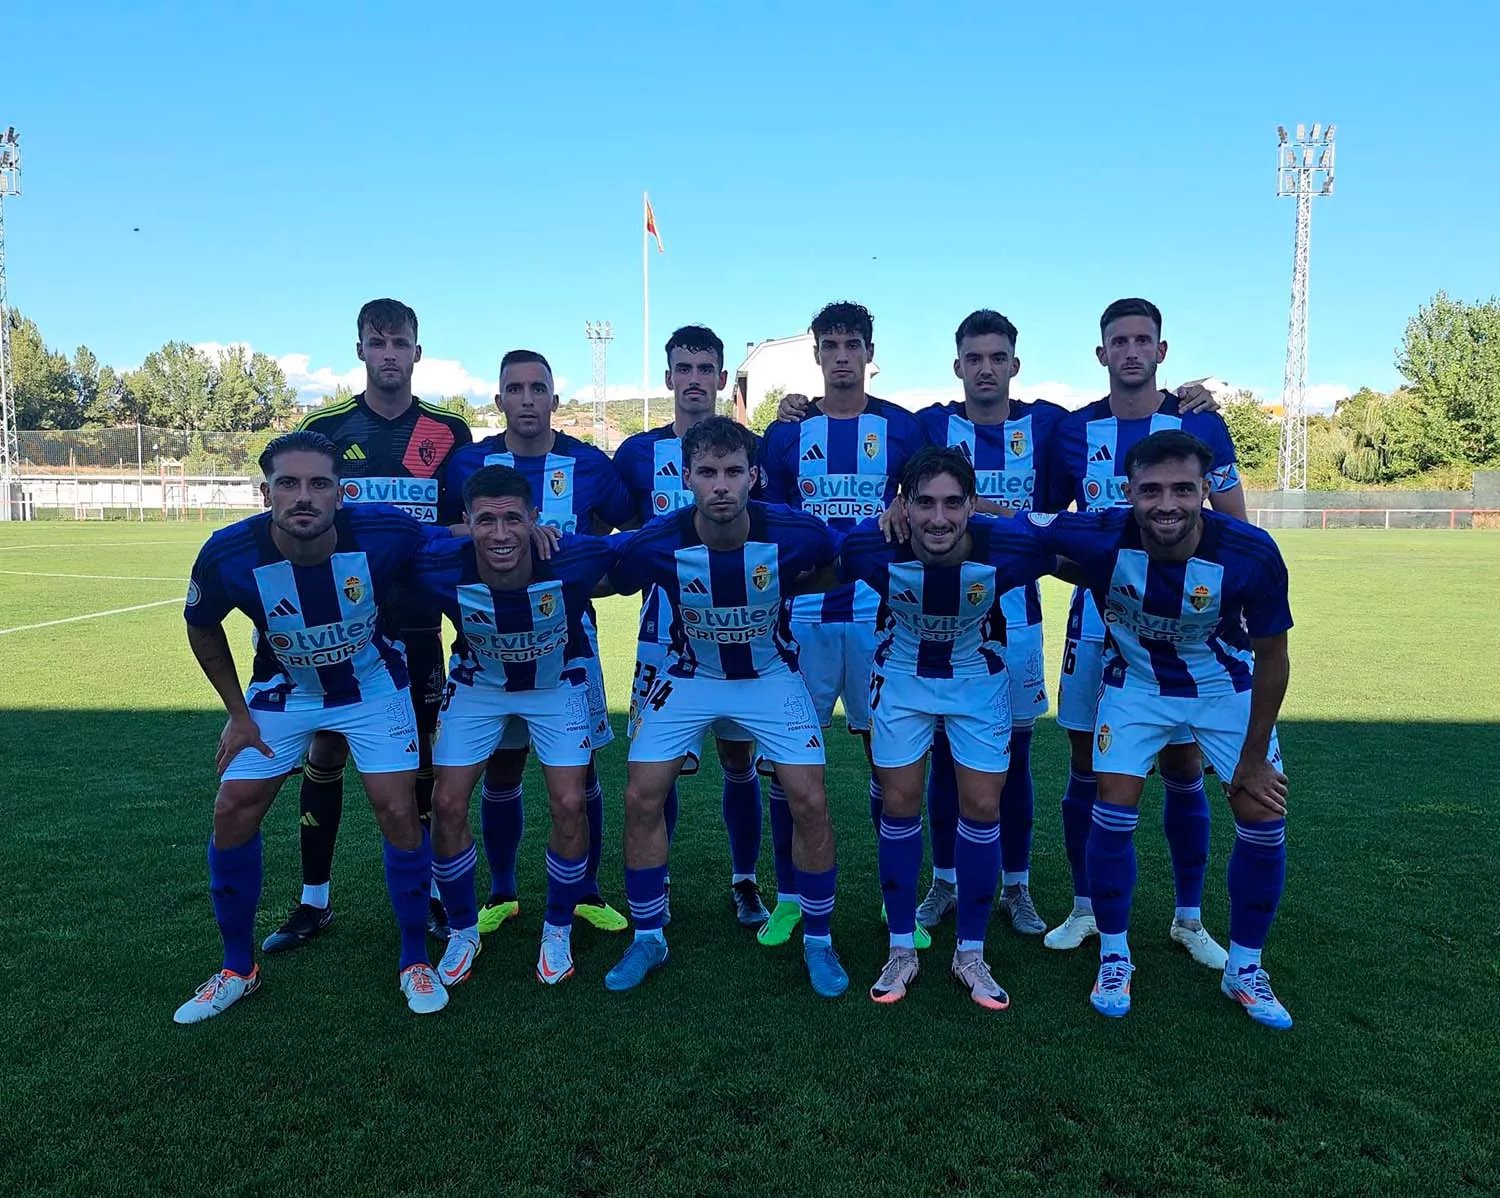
pixel 241 732
pixel 792 407
pixel 1259 783
pixel 1197 395
pixel 893 523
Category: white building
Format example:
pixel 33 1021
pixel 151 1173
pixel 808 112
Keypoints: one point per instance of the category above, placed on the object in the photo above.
pixel 785 362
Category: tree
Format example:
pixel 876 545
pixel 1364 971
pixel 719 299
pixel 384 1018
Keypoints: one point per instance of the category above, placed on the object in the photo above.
pixel 180 387
pixel 1450 356
pixel 45 392
pixel 1380 437
pixel 765 411
pixel 459 406
pixel 1255 434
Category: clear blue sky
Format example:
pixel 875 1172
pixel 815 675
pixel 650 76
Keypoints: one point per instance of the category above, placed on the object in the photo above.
pixel 285 163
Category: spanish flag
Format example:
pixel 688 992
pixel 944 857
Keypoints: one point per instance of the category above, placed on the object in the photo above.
pixel 651 225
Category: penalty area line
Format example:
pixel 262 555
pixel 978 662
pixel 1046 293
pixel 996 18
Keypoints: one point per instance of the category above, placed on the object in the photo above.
pixel 93 615
pixel 98 577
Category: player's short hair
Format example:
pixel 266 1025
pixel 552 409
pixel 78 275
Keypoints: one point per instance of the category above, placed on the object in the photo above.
pixel 983 323
pixel 302 440
pixel 696 339
pixel 845 316
pixel 1129 307
pixel 519 357
pixel 719 436
pixel 930 462
pixel 385 316
pixel 1169 445
pixel 497 482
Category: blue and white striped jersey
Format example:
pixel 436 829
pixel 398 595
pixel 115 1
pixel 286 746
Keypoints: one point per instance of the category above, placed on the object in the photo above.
pixel 651 467
pixel 728 619
pixel 1006 458
pixel 943 621
pixel 1085 467
pixel 317 639
pixel 841 470
pixel 517 640
pixel 574 486
pixel 1177 629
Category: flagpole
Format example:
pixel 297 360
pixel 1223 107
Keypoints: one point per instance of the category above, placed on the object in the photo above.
pixel 645 313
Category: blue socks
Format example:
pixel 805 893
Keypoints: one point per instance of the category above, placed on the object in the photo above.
pixel 455 878
pixel 742 819
pixel 1257 875
pixel 566 884
pixel 816 889
pixel 978 864
pixel 1017 810
pixel 1111 868
pixel 942 804
pixel 646 892
pixel 1078 821
pixel 502 819
pixel 781 843
pixel 1185 821
pixel 234 880
pixel 593 810
pixel 408 877
pixel 900 864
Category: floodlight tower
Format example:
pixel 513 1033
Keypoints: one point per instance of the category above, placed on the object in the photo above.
pixel 1304 169
pixel 10 450
pixel 600 335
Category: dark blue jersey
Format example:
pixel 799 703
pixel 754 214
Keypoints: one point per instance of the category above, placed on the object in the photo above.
pixel 522 639
pixel 574 486
pixel 317 636
pixel 841 470
pixel 1178 629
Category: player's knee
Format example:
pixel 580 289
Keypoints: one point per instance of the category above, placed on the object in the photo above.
pixel 450 803
pixel 1249 810
pixel 566 804
pixel 807 801
pixel 1121 790
pixel 643 802
pixel 983 806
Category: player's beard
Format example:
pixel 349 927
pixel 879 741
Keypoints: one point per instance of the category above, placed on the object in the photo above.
pixel 387 384
pixel 310 532
pixel 1184 529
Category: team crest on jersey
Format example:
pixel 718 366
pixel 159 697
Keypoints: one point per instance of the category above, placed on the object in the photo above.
pixel 427 451
pixel 976 594
pixel 194 594
pixel 1018 443
pixel 1200 598
pixel 354 589
pixel 545 603
pixel 872 445
pixel 1106 738
pixel 761 576
pixel 1041 519
pixel 558 483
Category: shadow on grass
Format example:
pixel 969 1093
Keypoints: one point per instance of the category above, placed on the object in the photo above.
pixel 752 1084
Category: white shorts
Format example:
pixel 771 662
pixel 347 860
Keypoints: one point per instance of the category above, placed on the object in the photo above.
pixel 835 660
pixel 776 711
pixel 382 736
pixel 650 665
pixel 1079 687
pixel 1134 727
pixel 474 720
pixel 1027 670
pixel 601 732
pixel 975 713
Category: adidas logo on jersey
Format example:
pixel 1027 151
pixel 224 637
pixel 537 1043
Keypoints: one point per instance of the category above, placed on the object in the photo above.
pixel 284 608
pixel 411 746
pixel 354 454
pixel 904 597
pixel 1101 454
pixel 478 617
pixel 669 470
pixel 814 454
pixel 1127 590
pixel 814 743
pixel 695 587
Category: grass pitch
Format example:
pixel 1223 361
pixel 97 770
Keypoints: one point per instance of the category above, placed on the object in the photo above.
pixel 725 1074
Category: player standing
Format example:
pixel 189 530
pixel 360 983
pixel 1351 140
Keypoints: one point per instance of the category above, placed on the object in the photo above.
pixel 650 464
pixel 1084 468
pixel 577 490
pixel 840 462
pixel 393 448
pixel 942 657
pixel 517 658
pixel 312 575
pixel 1196 610
pixel 725 564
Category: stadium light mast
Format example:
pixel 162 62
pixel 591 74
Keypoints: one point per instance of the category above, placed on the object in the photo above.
pixel 600 335
pixel 1304 169
pixel 10 449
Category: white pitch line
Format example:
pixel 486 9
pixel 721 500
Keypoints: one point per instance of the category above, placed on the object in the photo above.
pixel 99 577
pixel 93 615
pixel 81 544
